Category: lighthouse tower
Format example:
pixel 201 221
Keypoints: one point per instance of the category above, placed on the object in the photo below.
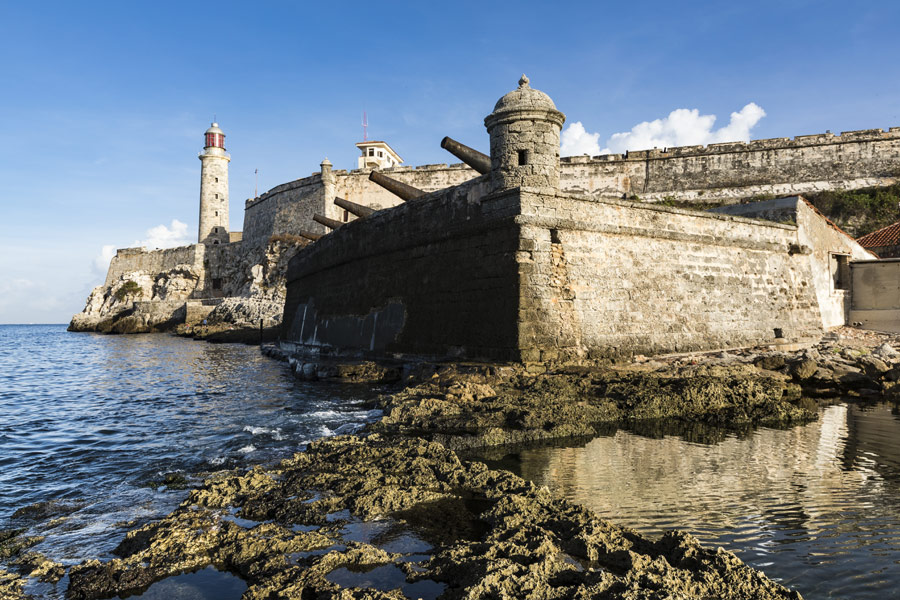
pixel 214 188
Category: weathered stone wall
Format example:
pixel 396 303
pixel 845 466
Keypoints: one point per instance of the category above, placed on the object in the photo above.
pixel 128 260
pixel 537 276
pixel 356 187
pixel 618 278
pixel 433 276
pixel 830 250
pixel 286 208
pixel 732 171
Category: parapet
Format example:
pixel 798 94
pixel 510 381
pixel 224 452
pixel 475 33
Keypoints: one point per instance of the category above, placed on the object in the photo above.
pixel 800 141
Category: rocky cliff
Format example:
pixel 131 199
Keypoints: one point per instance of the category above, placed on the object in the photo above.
pixel 227 286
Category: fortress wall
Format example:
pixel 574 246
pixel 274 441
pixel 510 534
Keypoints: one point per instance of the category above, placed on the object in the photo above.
pixel 826 243
pixel 434 276
pixel 286 208
pixel 356 187
pixel 620 278
pixel 129 260
pixel 730 171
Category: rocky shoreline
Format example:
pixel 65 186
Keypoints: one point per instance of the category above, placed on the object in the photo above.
pixel 397 500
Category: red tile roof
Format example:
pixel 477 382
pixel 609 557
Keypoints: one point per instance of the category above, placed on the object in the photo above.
pixel 887 236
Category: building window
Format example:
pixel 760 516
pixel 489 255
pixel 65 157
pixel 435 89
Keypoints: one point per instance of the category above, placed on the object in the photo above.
pixel 217 284
pixel 380 154
pixel 523 157
pixel 840 271
pixel 217 213
pixel 371 151
pixel 217 196
pixel 217 180
pixel 215 241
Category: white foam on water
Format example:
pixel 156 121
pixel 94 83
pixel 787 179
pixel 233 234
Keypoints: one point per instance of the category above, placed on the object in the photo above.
pixel 348 428
pixel 217 460
pixel 324 414
pixel 247 449
pixel 275 432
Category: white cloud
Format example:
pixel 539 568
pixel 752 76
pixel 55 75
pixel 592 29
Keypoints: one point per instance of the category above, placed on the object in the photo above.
pixel 682 127
pixel 166 237
pixel 101 261
pixel 575 141
pixel 160 236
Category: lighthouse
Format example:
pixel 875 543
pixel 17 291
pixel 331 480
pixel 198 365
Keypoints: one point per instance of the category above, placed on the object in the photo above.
pixel 214 188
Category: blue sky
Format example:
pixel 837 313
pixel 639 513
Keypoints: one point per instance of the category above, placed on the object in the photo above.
pixel 103 105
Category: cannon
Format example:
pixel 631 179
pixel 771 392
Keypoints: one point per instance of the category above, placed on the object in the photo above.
pixel 330 223
pixel 353 208
pixel 475 159
pixel 398 188
pixel 310 235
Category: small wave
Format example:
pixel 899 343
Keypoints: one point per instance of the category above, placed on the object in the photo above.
pixel 276 432
pixel 324 414
pixel 325 431
pixel 247 449
pixel 217 460
pixel 348 428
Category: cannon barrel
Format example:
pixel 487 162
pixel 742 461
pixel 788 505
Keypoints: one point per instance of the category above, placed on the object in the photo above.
pixel 353 208
pixel 475 159
pixel 330 223
pixel 398 188
pixel 310 235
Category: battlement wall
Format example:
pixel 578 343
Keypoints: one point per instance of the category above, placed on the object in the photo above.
pixel 433 276
pixel 286 208
pixel 730 171
pixel 356 187
pixel 129 260
pixel 289 207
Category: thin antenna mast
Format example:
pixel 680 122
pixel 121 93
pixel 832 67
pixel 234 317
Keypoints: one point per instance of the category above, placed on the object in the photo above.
pixel 365 127
pixel 256 185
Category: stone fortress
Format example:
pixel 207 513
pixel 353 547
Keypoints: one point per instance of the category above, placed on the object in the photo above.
pixel 519 255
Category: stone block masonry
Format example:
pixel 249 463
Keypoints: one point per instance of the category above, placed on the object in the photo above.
pixel 536 275
pixel 435 276
pixel 610 278
pixel 725 173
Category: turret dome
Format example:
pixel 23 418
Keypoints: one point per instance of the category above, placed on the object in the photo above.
pixel 214 128
pixel 524 98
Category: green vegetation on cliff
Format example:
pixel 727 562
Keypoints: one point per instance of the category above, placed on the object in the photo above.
pixel 129 288
pixel 859 212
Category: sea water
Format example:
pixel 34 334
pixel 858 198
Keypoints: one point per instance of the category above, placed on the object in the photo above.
pixel 101 433
pixel 815 507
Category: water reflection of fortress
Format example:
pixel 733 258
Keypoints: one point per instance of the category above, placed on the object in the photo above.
pixel 802 478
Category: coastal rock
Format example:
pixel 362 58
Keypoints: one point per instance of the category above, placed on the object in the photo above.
pixel 246 312
pixel 804 368
pixel 478 533
pixel 526 408
pixel 886 352
pixel 38 566
pixel 12 586
pixel 770 362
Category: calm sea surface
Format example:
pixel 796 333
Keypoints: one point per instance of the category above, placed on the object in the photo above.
pixel 816 507
pixel 97 423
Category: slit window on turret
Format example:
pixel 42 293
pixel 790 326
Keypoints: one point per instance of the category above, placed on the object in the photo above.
pixel 523 157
